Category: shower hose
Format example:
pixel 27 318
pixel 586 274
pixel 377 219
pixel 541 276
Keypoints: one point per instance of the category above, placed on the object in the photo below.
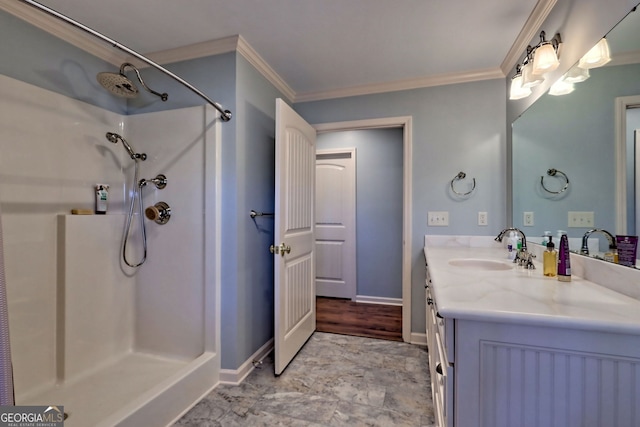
pixel 137 195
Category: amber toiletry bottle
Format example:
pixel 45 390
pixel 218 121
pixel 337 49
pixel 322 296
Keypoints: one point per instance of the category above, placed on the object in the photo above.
pixel 550 259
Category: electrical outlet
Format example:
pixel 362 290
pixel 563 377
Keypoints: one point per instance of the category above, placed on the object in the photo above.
pixel 581 219
pixel 438 219
pixel 528 219
pixel 483 218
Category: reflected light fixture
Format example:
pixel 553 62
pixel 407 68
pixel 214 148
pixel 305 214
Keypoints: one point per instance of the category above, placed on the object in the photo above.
pixel 576 74
pixel 545 54
pixel 597 56
pixel 517 91
pixel 561 87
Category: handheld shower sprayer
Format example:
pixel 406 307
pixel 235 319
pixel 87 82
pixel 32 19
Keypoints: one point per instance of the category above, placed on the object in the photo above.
pixel 120 85
pixel 114 138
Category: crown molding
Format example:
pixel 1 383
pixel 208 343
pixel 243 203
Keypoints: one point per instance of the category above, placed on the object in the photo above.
pixel 265 69
pixel 229 44
pixel 408 84
pixel 238 44
pixel 67 33
pixel 195 51
pixel 625 58
pixel 530 30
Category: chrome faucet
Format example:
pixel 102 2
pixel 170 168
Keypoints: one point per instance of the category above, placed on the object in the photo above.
pixel 522 258
pixel 585 248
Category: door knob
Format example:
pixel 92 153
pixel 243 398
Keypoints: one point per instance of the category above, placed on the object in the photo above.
pixel 280 249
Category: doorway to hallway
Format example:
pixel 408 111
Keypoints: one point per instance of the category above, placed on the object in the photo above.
pixel 376 204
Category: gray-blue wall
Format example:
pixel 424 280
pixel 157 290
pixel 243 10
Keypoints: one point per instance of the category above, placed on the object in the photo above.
pixel 378 207
pixel 455 128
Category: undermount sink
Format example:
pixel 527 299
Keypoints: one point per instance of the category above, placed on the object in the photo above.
pixel 480 264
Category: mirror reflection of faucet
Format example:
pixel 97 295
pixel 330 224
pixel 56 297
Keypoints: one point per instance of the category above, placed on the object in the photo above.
pixel 611 255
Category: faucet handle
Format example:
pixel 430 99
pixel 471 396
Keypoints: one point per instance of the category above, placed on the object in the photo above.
pixel 530 265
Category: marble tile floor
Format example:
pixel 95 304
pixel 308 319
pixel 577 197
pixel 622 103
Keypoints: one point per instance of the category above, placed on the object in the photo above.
pixel 335 380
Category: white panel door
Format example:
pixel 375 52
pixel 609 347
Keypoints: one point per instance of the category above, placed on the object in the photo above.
pixel 294 258
pixel 336 223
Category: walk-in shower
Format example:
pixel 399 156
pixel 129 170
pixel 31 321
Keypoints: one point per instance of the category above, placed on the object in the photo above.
pixel 120 85
pixel 115 346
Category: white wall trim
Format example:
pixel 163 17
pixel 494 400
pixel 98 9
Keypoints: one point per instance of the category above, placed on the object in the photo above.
pixel 528 33
pixel 71 35
pixel 364 299
pixel 236 43
pixel 406 123
pixel 409 84
pixel 621 105
pixel 419 339
pixel 236 376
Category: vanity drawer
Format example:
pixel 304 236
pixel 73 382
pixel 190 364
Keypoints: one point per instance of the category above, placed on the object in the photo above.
pixel 444 326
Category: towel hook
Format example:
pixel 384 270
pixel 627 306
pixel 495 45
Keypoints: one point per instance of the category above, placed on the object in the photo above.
pixel 461 176
pixel 554 172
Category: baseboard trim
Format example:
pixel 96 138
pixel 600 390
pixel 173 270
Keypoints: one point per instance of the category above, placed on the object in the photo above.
pixel 236 376
pixel 418 338
pixel 378 300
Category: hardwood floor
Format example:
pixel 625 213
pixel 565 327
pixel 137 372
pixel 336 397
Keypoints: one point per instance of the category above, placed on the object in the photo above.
pixel 343 316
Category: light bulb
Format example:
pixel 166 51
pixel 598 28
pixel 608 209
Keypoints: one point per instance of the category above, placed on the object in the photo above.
pixel 597 56
pixel 561 87
pixel 545 59
pixel 529 79
pixel 576 75
pixel 517 91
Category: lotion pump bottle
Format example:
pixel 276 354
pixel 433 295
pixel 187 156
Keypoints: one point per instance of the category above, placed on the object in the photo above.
pixel 550 259
pixel 564 260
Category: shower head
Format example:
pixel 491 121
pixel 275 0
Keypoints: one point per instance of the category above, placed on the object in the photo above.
pixel 120 85
pixel 114 138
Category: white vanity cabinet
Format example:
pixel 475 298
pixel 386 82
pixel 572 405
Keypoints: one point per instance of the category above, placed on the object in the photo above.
pixel 441 368
pixel 577 364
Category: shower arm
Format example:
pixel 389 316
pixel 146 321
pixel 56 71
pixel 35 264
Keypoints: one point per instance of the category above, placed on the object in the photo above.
pixel 225 114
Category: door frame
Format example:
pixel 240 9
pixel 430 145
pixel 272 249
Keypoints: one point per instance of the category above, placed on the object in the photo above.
pixel 404 122
pixel 622 103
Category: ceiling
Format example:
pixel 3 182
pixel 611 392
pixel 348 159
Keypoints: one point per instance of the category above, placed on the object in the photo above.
pixel 321 47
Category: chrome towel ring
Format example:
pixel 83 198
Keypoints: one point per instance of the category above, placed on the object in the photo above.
pixel 459 177
pixel 554 172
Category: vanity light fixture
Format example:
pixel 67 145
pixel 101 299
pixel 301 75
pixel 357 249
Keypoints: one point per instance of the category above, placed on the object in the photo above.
pixel 576 74
pixel 597 56
pixel 529 79
pixel 545 54
pixel 561 87
pixel 517 91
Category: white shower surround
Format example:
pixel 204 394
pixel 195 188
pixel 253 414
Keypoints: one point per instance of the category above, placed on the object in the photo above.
pixel 140 348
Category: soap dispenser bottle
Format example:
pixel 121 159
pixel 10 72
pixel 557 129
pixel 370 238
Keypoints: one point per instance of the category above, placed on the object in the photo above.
pixel 550 259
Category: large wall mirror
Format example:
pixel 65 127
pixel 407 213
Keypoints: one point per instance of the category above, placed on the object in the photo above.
pixel 575 134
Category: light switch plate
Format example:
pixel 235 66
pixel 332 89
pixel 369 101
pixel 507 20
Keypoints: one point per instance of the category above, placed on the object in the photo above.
pixel 581 219
pixel 438 219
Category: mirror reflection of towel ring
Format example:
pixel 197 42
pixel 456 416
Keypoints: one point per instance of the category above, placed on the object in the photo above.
pixel 554 172
pixel 461 176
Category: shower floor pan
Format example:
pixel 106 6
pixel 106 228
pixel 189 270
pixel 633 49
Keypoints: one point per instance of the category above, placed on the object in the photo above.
pixel 139 389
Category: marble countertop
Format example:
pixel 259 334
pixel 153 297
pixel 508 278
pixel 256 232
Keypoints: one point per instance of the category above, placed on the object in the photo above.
pixel 524 296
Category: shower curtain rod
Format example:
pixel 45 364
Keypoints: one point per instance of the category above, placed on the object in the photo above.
pixel 226 114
